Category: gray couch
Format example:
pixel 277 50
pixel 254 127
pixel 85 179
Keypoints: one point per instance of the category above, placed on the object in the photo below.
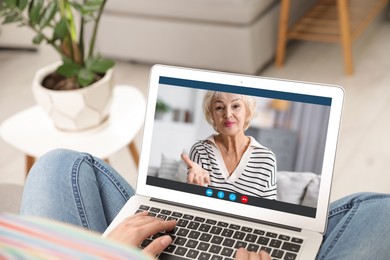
pixel 228 35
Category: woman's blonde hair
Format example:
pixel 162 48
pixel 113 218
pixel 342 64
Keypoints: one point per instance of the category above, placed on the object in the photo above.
pixel 250 103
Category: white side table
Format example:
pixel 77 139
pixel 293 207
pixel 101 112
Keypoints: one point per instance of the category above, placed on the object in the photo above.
pixel 32 132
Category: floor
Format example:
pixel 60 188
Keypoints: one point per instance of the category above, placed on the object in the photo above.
pixel 363 153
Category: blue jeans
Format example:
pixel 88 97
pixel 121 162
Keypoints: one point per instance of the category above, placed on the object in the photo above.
pixel 80 189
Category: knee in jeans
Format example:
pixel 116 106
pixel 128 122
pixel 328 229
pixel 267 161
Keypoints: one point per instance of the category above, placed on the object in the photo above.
pixel 54 162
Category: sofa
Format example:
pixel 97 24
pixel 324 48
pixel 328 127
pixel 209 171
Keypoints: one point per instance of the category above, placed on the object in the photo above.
pixel 227 35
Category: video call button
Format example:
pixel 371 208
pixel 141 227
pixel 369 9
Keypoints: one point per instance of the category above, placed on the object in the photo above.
pixel 232 197
pixel 244 199
pixel 221 194
pixel 209 192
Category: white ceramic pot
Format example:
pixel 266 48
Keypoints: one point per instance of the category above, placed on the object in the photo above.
pixel 74 110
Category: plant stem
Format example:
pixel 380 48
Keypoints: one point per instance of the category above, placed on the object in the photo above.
pixel 25 21
pixel 81 39
pixel 93 39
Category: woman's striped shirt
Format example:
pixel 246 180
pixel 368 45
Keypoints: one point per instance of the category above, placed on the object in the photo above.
pixel 255 174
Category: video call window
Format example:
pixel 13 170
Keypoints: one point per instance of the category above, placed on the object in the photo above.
pixel 281 161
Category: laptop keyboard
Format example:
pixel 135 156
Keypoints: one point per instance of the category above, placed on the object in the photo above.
pixel 208 239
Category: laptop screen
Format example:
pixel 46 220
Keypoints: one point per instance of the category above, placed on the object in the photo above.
pixel 281 164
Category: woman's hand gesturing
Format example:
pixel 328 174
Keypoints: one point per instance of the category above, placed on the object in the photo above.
pixel 196 174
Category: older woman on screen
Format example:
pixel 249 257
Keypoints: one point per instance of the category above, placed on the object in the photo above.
pixel 230 160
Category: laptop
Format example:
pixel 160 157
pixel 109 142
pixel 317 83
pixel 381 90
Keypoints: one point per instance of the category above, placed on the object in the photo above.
pixel 212 222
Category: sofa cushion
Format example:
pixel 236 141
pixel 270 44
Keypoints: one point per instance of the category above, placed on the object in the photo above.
pixel 296 187
pixel 226 11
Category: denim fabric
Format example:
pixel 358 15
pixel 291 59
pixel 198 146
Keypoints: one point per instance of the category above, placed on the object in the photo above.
pixel 358 228
pixel 82 190
pixel 75 188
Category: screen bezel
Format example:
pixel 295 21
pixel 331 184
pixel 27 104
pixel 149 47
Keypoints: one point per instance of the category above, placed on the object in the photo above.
pixel 336 93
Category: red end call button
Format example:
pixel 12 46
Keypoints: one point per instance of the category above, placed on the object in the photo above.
pixel 244 199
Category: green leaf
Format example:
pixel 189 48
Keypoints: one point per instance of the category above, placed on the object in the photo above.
pixel 11 18
pixel 35 11
pixel 38 39
pixel 10 3
pixel 69 69
pixel 99 65
pixel 22 4
pixel 85 77
pixel 60 30
pixel 48 14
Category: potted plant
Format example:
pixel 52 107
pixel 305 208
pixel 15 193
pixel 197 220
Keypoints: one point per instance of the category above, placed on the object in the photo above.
pixel 76 91
pixel 161 109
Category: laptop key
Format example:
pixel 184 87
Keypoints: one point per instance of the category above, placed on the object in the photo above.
pixel 284 237
pixel 271 234
pixel 250 238
pixel 181 251
pixel 297 240
pixel 215 249
pixel 240 244
pixel 215 230
pixel 182 223
pixel 253 248
pixel 194 234
pixel 204 228
pixel 193 225
pixel 203 246
pixel 189 217
pixel 227 232
pixel 205 237
pixel 165 256
pixel 191 243
pixel 291 247
pixel 180 241
pixel 277 253
pixel 247 229
pixel 290 256
pixel 204 256
pixel 235 227
pixel 192 253
pixel 211 221
pixel 263 240
pixel 216 257
pixel 227 251
pixel 259 232
pixel 216 240
pixel 177 214
pixel 266 249
pixel 182 232
pixel 275 243
pixel 170 249
pixel 144 207
pixel 166 212
pixel 229 242
pixel 222 224
pixel 155 210
pixel 239 235
pixel 161 216
pixel 199 219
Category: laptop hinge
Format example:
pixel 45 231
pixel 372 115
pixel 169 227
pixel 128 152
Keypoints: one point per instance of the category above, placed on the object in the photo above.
pixel 228 215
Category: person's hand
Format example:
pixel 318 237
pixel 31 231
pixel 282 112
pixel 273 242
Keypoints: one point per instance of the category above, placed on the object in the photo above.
pixel 135 229
pixel 243 254
pixel 196 174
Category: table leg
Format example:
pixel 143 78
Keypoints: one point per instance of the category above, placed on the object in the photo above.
pixel 282 33
pixel 134 152
pixel 30 160
pixel 345 31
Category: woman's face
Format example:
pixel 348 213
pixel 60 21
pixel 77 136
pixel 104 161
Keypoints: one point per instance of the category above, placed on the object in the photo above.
pixel 229 113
